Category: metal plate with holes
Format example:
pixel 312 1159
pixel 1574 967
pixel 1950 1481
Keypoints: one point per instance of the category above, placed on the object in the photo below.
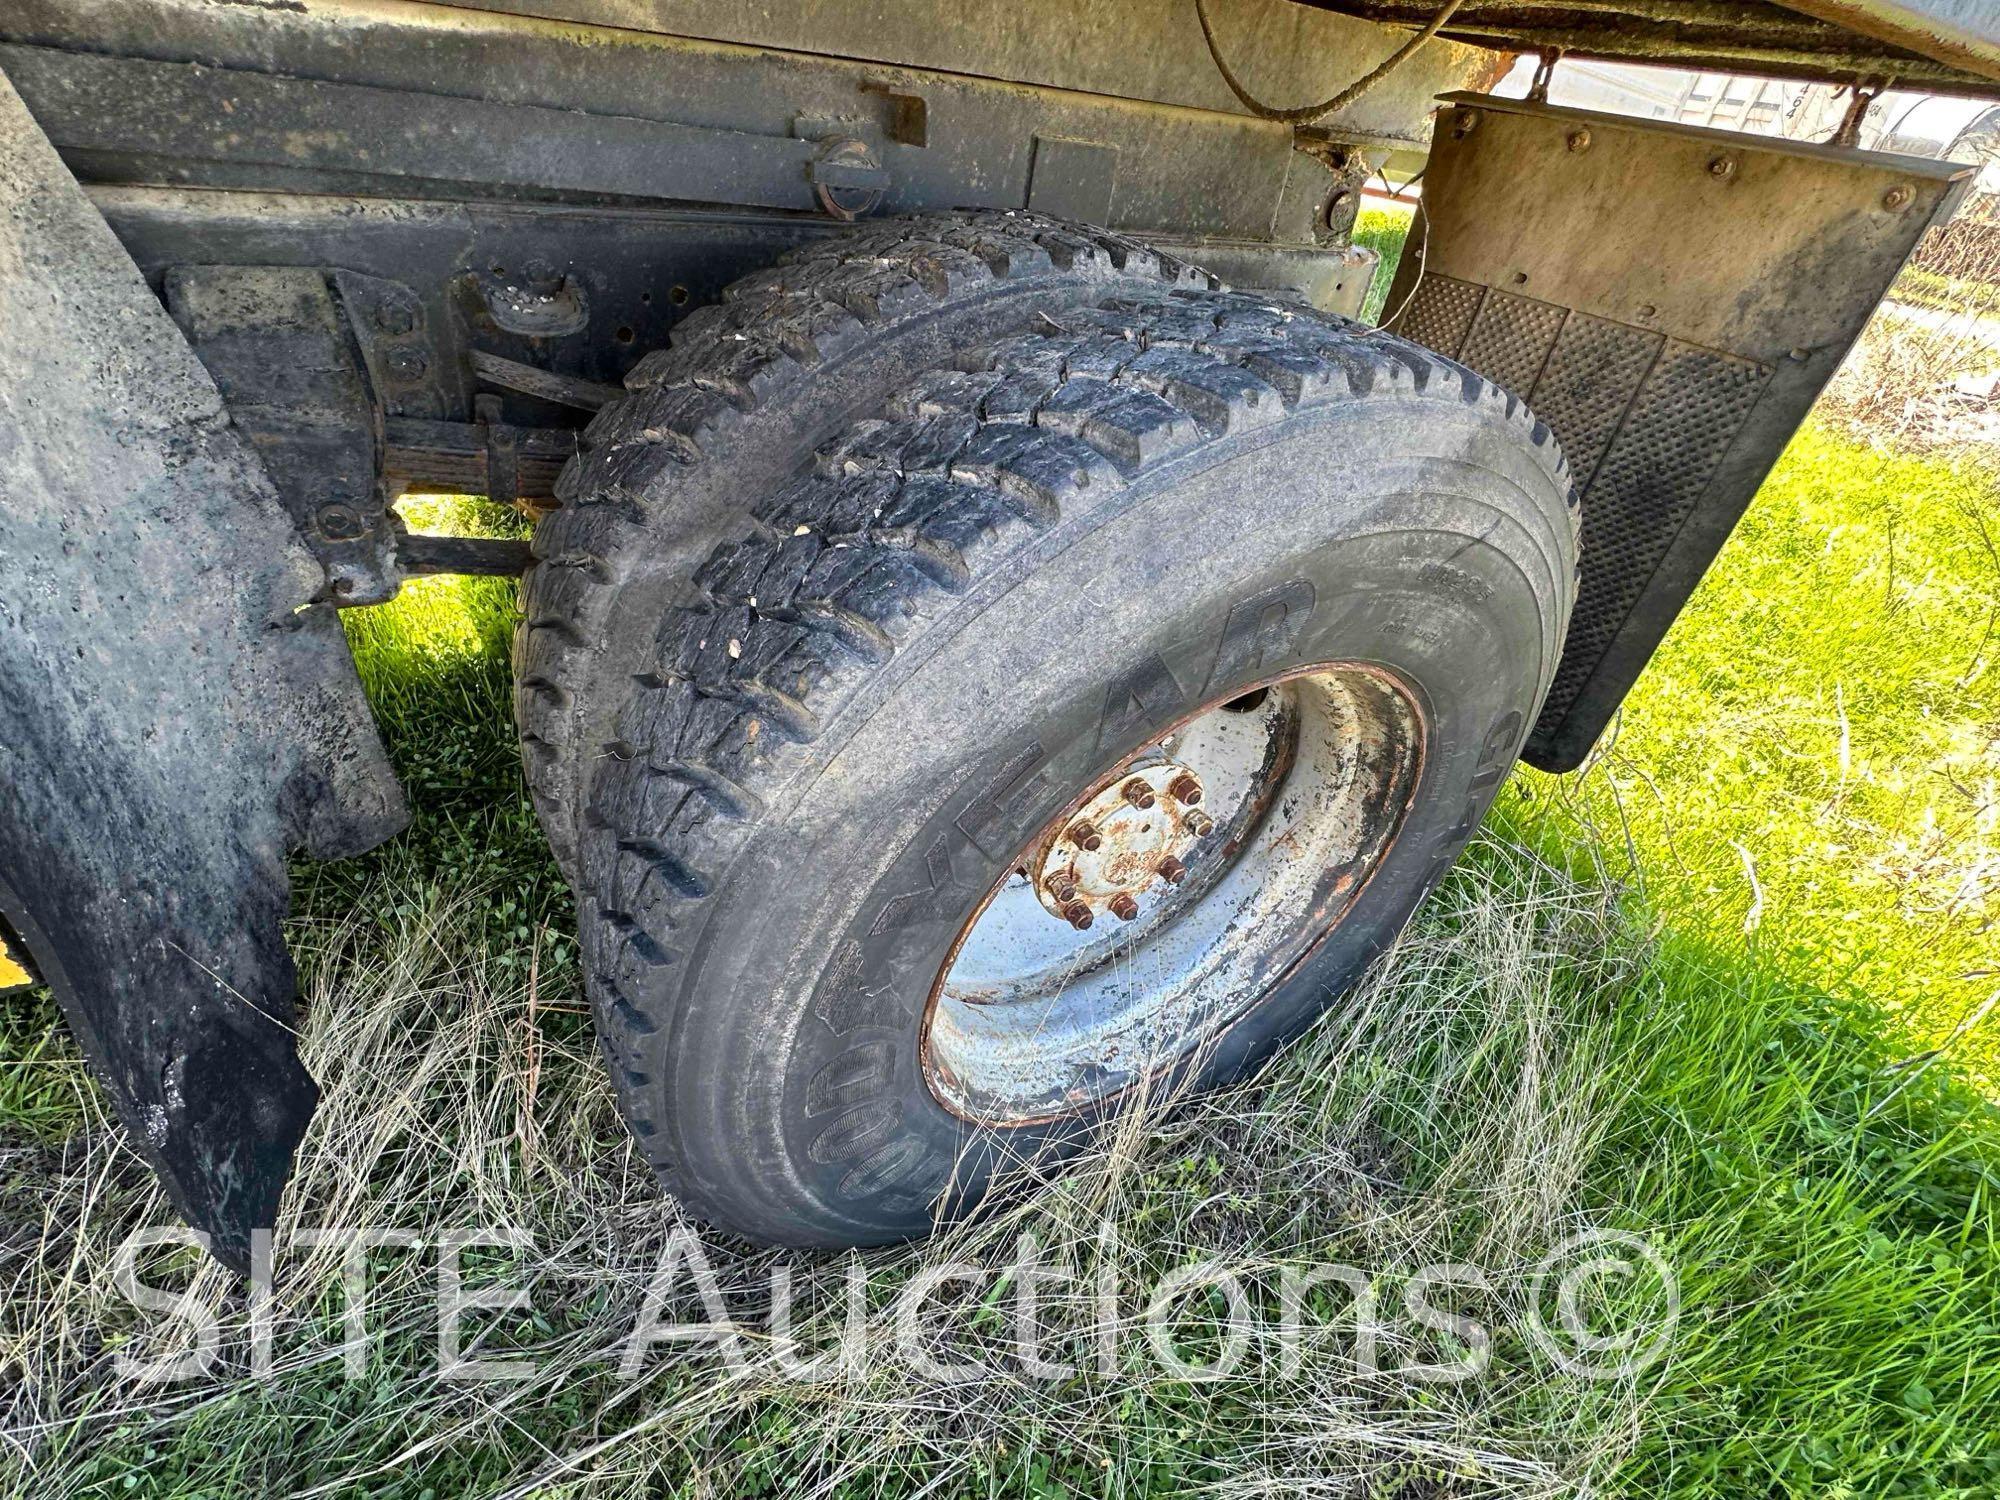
pixel 1669 300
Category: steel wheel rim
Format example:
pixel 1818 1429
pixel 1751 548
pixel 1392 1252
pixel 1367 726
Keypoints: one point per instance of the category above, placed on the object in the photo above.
pixel 1304 780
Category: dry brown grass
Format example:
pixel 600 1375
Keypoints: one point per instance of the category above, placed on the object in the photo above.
pixel 451 1101
pixel 1925 374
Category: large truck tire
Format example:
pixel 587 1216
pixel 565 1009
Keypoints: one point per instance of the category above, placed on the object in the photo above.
pixel 1081 722
pixel 747 390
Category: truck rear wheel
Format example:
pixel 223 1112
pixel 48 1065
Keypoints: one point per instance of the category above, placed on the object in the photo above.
pixel 1085 719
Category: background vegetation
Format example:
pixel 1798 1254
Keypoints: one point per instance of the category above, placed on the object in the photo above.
pixel 1727 988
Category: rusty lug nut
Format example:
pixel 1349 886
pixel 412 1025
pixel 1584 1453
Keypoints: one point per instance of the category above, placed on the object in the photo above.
pixel 1064 891
pixel 1186 789
pixel 1124 907
pixel 1172 870
pixel 1078 915
pixel 1086 837
pixel 1200 825
pixel 1139 794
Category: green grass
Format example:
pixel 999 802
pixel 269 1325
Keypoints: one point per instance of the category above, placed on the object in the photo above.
pixel 1535 1058
pixel 1810 766
pixel 1382 230
pixel 1947 293
pixel 1578 1031
pixel 1811 757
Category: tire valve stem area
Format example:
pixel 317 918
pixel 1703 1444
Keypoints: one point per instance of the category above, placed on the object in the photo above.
pixel 1138 829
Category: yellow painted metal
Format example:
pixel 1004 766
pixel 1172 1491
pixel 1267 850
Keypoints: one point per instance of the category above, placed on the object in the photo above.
pixel 13 976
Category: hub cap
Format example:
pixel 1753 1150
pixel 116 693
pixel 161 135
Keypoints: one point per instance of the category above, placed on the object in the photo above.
pixel 1172 895
pixel 1131 839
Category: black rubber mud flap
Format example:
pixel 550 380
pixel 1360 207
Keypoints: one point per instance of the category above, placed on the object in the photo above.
pixel 1673 362
pixel 175 713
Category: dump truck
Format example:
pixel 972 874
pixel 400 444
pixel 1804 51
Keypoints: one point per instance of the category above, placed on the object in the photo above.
pixel 1001 639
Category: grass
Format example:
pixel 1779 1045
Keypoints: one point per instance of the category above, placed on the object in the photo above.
pixel 1382 230
pixel 1577 1032
pixel 1810 759
pixel 1534 1058
pixel 1947 293
pixel 435 667
pixel 1810 766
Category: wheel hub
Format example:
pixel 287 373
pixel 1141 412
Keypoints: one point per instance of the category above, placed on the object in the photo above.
pixel 1176 891
pixel 1135 836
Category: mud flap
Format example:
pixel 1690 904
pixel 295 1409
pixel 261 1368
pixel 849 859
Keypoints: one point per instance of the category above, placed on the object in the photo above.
pixel 1669 299
pixel 175 711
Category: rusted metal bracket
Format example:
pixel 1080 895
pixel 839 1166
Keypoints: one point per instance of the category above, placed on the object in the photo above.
pixel 1673 367
pixel 275 341
pixel 1848 132
pixel 544 385
pixel 846 178
pixel 281 343
pixel 1545 72
pixel 908 121
pixel 503 483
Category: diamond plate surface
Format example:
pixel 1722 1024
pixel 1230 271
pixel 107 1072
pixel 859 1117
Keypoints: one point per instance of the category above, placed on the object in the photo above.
pixel 1440 313
pixel 1510 340
pixel 1590 379
pixel 1691 406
